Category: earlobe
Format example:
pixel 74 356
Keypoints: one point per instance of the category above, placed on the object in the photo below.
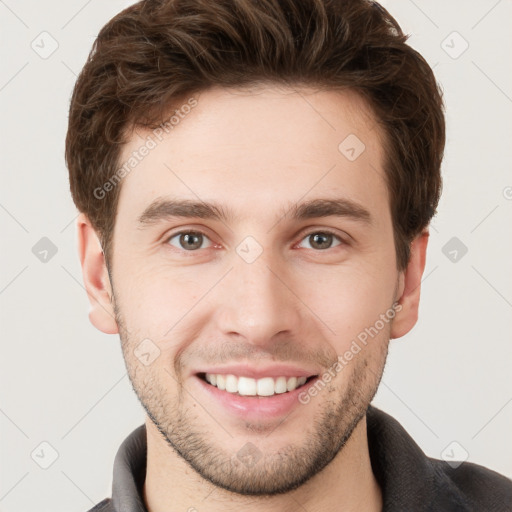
pixel 95 277
pixel 409 288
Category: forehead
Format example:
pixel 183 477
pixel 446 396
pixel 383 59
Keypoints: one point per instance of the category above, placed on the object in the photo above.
pixel 262 146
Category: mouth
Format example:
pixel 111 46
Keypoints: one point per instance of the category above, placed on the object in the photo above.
pixel 263 395
pixel 255 388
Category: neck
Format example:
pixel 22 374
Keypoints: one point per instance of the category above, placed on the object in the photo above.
pixel 346 484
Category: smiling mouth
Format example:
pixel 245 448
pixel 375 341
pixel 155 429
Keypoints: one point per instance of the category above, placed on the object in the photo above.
pixel 255 388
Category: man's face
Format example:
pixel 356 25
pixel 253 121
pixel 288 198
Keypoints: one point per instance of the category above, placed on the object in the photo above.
pixel 262 286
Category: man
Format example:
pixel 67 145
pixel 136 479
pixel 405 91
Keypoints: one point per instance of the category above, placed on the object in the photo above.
pixel 255 181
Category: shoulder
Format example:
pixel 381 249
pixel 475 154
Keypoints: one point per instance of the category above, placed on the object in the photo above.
pixel 411 480
pixel 480 487
pixel 103 506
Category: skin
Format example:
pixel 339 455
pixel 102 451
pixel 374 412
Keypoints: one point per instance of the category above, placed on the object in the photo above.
pixel 256 152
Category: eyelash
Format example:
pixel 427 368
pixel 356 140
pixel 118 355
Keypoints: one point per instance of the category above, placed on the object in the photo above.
pixel 306 235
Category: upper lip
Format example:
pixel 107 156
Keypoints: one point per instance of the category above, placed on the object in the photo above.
pixel 245 370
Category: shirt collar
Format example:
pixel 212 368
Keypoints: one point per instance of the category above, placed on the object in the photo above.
pixel 130 472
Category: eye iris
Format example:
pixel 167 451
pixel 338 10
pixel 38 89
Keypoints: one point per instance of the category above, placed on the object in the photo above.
pixel 321 240
pixel 191 240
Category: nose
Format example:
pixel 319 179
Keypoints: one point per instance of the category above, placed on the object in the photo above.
pixel 258 302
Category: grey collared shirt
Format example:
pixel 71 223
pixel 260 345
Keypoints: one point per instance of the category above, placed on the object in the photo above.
pixel 410 481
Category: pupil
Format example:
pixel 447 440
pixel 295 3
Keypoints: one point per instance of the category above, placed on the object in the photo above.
pixel 322 239
pixel 191 241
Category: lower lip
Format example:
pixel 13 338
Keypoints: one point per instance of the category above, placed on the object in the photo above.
pixel 255 407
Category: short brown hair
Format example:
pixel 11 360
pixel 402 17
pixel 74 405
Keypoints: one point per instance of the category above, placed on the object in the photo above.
pixel 156 52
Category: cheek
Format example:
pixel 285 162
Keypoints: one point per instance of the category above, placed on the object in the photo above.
pixel 156 301
pixel 349 301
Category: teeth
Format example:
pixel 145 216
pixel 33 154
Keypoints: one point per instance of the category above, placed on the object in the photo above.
pixel 291 384
pixel 221 381
pixel 245 386
pixel 231 384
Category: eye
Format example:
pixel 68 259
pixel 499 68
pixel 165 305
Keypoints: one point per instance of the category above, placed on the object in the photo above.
pixel 322 240
pixel 188 240
pixel 194 240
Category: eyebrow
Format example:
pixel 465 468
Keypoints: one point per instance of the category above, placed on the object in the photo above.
pixel 165 209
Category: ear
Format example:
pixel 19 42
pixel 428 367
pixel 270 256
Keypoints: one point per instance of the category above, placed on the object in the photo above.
pixel 96 278
pixel 409 287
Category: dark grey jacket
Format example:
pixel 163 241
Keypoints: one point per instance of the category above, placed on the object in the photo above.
pixel 410 481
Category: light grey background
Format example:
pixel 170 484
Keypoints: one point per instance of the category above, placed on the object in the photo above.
pixel 65 383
